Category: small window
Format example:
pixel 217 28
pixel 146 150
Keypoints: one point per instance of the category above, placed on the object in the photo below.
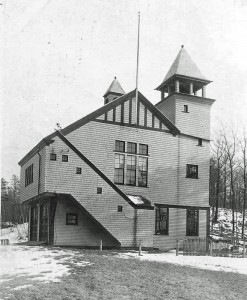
pixel 161 220
pixel 106 100
pixel 186 108
pixel 143 149
pixel 99 190
pixel 119 146
pixel 65 158
pixel 119 208
pixel 131 147
pixel 192 222
pixel 71 219
pixel 192 171
pixel 199 142
pixel 29 175
pixel 53 156
pixel 78 170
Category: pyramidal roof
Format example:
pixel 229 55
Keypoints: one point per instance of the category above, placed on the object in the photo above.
pixel 115 87
pixel 184 65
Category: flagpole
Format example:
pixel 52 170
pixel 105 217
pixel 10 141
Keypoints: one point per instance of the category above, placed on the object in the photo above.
pixel 137 66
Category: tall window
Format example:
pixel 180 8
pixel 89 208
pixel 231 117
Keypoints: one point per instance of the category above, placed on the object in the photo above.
pixel 119 146
pixel 29 175
pixel 119 168
pixel 131 170
pixel 162 220
pixel 192 222
pixel 192 171
pixel 142 171
pixel 131 148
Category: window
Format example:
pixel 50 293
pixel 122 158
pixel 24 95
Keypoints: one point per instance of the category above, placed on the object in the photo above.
pixel 119 208
pixel 119 146
pixel 142 171
pixel 106 100
pixel 161 220
pixel 143 149
pixel 65 158
pixel 192 171
pixel 99 190
pixel 53 156
pixel 29 175
pixel 71 219
pixel 186 108
pixel 199 142
pixel 131 170
pixel 192 222
pixel 131 147
pixel 78 170
pixel 119 169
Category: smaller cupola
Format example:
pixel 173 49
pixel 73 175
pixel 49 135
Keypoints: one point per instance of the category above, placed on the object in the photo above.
pixel 183 77
pixel 114 91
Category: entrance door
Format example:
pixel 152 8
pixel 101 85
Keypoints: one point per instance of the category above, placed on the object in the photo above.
pixel 43 230
pixel 34 223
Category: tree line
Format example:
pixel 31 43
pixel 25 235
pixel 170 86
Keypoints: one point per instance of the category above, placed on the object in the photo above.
pixel 228 174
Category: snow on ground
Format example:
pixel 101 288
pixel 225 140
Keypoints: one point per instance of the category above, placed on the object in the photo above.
pixel 15 234
pixel 38 263
pixel 226 264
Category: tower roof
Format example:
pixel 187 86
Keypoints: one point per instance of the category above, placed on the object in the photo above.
pixel 183 65
pixel 115 87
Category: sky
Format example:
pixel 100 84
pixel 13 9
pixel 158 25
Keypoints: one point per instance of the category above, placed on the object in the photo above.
pixel 59 58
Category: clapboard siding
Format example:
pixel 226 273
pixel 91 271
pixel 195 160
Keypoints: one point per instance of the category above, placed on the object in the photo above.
pixel 168 108
pixel 31 190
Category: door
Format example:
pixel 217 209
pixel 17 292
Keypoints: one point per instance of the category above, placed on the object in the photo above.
pixel 34 223
pixel 43 229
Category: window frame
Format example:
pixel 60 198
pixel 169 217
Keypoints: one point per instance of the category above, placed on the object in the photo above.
pixel 119 208
pixel 158 221
pixel 189 231
pixel 29 175
pixel 99 190
pixel 117 150
pixel 78 170
pixel 199 142
pixel 186 108
pixel 65 156
pixel 188 172
pixel 130 171
pixel 140 153
pixel 116 181
pixel 131 144
pixel 53 155
pixel 141 171
pixel 68 220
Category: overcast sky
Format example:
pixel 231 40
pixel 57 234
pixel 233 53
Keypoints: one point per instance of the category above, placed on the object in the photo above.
pixel 61 56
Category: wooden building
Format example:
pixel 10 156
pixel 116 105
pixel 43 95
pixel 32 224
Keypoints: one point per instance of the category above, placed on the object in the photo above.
pixel 126 172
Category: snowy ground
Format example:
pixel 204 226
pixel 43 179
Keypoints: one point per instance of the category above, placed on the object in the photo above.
pixel 227 264
pixel 16 234
pixel 38 263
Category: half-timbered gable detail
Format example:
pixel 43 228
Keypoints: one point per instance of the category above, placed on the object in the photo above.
pixel 129 172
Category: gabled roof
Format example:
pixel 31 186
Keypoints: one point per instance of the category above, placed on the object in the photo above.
pixel 183 65
pixel 92 116
pixel 115 88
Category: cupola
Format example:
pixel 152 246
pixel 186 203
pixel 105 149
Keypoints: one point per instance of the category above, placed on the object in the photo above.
pixel 114 91
pixel 183 77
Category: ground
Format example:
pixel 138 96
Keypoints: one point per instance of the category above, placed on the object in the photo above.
pixel 60 273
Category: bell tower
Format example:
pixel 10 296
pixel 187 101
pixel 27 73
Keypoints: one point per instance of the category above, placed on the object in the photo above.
pixel 183 97
pixel 114 91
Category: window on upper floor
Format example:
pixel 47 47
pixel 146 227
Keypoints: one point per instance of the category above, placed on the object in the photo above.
pixel 143 149
pixel 186 109
pixel 53 156
pixel 119 169
pixel 65 158
pixel 131 170
pixel 131 147
pixel 192 171
pixel 162 220
pixel 142 171
pixel 199 142
pixel 119 146
pixel 71 219
pixel 192 222
pixel 120 208
pixel 78 170
pixel 99 190
pixel 29 175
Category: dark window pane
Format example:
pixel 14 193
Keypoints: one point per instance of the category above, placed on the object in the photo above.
pixel 199 142
pixel 131 147
pixel 29 175
pixel 142 171
pixel 192 222
pixel 143 149
pixel 131 170
pixel 65 158
pixel 71 219
pixel 119 169
pixel 53 156
pixel 161 220
pixel 78 170
pixel 119 146
pixel 192 171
